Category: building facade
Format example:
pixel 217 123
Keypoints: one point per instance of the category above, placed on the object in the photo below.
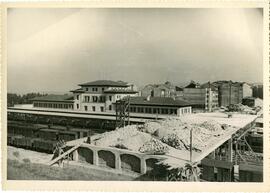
pixel 161 90
pixel 247 90
pixel 229 92
pixel 54 102
pixel 159 106
pixel 99 96
pixel 202 97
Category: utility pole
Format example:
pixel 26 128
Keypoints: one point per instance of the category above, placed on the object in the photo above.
pixel 190 146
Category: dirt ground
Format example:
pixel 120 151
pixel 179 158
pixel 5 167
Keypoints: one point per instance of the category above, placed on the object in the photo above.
pixel 30 165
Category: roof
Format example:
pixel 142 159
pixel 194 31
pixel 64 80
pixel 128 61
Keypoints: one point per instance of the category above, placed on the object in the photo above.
pixel 79 90
pixel 192 84
pixel 105 83
pixel 178 88
pixel 158 101
pixel 129 91
pixel 55 98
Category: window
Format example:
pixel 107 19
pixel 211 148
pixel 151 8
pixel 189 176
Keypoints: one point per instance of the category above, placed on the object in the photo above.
pixel 152 93
pixel 110 107
pixel 103 89
pixel 94 89
pixel 133 109
pixel 102 99
pixel 163 93
pixel 164 111
pixel 86 89
pixel 101 109
pixel 93 108
pixel 94 98
pixel 78 106
pixel 86 99
pixel 110 98
pixel 77 97
pixel 140 110
pixel 85 108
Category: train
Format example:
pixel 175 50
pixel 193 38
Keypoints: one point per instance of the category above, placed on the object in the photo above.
pixel 41 137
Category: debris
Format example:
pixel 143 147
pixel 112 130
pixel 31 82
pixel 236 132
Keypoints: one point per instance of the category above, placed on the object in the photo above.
pixel 154 146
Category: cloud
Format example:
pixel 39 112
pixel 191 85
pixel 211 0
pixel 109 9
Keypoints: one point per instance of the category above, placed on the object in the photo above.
pixel 59 49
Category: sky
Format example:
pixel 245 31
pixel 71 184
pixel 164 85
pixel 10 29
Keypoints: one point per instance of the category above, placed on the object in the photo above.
pixel 52 49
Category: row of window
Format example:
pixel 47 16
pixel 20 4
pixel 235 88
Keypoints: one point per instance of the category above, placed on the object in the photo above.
pixel 94 89
pixel 100 99
pixel 54 105
pixel 153 110
pixel 93 108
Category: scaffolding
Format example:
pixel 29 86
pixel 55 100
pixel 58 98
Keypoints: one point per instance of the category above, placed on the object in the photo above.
pixel 122 108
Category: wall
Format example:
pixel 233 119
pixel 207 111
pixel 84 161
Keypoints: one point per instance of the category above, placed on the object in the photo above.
pixel 247 90
pixel 118 159
pixel 157 91
pixel 230 93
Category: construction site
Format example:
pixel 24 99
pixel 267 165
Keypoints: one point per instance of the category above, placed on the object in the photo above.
pixel 223 146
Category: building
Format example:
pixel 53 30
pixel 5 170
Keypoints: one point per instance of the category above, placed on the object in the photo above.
pixel 229 92
pixel 54 101
pixel 159 106
pixel 99 96
pixel 247 90
pixel 252 102
pixel 257 91
pixel 161 90
pixel 202 97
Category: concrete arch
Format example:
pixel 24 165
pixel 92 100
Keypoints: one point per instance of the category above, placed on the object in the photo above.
pixel 85 154
pixel 130 163
pixel 106 158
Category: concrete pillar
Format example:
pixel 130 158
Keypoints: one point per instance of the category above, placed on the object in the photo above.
pixel 95 157
pixel 75 155
pixel 143 166
pixel 117 161
pixel 230 150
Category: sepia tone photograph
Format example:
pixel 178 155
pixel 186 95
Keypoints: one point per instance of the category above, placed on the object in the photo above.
pixel 135 94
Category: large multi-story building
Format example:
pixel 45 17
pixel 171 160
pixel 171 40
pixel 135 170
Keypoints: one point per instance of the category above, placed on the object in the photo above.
pixel 202 97
pixel 229 92
pixel 99 96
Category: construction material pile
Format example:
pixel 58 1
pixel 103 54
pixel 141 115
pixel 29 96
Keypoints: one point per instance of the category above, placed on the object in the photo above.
pixel 154 146
pixel 130 138
pixel 176 133
pixel 240 108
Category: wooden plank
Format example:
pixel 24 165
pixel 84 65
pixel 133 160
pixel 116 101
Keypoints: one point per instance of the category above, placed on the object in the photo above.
pixel 64 154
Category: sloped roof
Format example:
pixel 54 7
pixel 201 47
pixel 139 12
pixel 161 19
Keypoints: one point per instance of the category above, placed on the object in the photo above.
pixel 193 84
pixel 129 91
pixel 105 83
pixel 158 101
pixel 79 90
pixel 55 98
